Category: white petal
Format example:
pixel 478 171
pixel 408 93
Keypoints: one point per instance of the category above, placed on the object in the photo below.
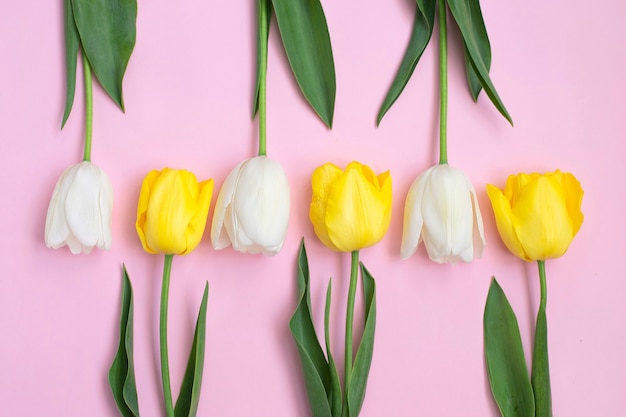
pixel 413 220
pixel 261 206
pixel 478 231
pixel 106 211
pixel 82 206
pixel 223 212
pixel 57 229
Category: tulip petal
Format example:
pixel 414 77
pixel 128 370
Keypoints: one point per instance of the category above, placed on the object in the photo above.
pixel 82 206
pixel 478 229
pixel 197 224
pixel 356 212
pixel 574 198
pixel 504 220
pixel 106 211
pixel 448 216
pixel 223 216
pixel 321 181
pixel 413 220
pixel 142 209
pixel 541 220
pixel 57 229
pixel 261 205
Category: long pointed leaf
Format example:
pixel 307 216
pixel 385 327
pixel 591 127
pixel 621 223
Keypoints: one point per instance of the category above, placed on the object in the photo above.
pixel 540 370
pixel 468 17
pixel 335 399
pixel 479 34
pixel 504 355
pixel 363 360
pixel 72 41
pixel 422 31
pixel 304 32
pixel 189 396
pixel 263 31
pixel 122 372
pixel 314 365
pixel 107 33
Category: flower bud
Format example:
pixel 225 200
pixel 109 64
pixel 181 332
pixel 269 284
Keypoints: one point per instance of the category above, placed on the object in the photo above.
pixel 252 208
pixel 351 209
pixel 538 215
pixel 442 210
pixel 79 214
pixel 172 211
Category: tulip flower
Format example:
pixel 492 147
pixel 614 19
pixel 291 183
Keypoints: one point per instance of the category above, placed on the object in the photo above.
pixel 442 210
pixel 172 211
pixel 538 215
pixel 171 218
pixel 79 214
pixel 252 209
pixel 351 209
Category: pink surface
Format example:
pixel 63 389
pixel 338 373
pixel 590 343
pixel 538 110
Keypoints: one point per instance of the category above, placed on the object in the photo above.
pixel 559 67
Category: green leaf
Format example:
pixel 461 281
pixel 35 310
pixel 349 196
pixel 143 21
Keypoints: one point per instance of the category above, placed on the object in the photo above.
pixel 335 399
pixel 363 359
pixel 304 32
pixel 479 33
pixel 122 372
pixel 540 370
pixel 107 33
pixel 468 17
pixel 263 31
pixel 422 31
pixel 72 42
pixel 314 365
pixel 504 355
pixel 189 396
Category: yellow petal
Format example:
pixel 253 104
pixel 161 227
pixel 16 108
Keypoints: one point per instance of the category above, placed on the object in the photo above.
pixel 321 181
pixel 197 224
pixel 142 209
pixel 574 198
pixel 504 218
pixel 357 211
pixel 541 220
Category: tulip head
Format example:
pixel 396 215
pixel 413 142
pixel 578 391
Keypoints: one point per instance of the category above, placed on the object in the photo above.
pixel 442 210
pixel 538 215
pixel 80 210
pixel 350 209
pixel 172 211
pixel 252 209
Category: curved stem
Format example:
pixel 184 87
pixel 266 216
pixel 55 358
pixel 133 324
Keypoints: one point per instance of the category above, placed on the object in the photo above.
pixel 88 108
pixel 542 283
pixel 165 366
pixel 354 273
pixel 443 84
pixel 263 34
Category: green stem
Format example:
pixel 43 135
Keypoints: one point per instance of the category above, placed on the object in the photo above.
pixel 354 274
pixel 88 108
pixel 263 36
pixel 542 283
pixel 540 375
pixel 443 84
pixel 165 367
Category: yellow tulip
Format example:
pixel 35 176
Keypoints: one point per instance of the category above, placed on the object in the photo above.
pixel 350 209
pixel 172 211
pixel 538 215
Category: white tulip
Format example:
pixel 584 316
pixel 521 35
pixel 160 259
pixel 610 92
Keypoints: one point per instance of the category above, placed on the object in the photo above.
pixel 442 210
pixel 79 214
pixel 252 208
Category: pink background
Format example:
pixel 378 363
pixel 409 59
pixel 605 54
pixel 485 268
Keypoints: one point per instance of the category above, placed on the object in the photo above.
pixel 559 67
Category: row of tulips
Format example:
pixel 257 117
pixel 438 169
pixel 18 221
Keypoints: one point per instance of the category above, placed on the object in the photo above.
pixel 537 215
